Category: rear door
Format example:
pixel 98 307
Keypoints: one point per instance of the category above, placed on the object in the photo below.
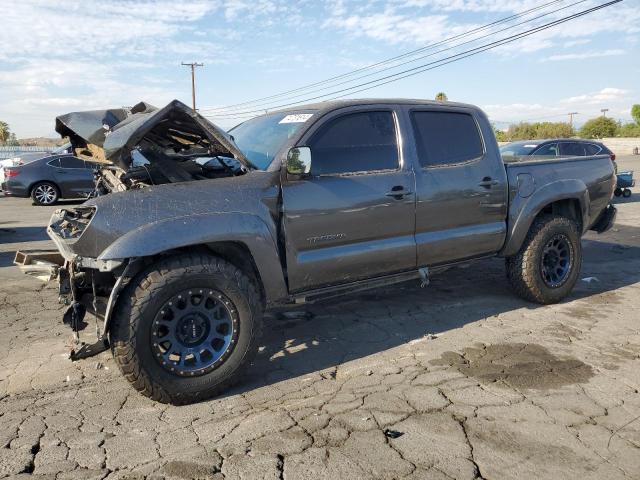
pixel 572 149
pixel 354 216
pixel 461 186
pixel 74 177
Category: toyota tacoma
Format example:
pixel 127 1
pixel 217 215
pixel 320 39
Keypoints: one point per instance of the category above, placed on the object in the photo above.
pixel 193 232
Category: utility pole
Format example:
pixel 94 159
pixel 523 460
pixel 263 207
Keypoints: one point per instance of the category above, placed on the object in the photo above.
pixel 571 114
pixel 193 66
pixel 604 111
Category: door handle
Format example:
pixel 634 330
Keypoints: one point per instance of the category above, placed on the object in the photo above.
pixel 488 182
pixel 398 192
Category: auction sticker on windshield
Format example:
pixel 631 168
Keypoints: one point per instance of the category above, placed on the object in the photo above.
pixel 296 118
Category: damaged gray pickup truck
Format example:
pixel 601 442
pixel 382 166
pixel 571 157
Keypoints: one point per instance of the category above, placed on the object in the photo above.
pixel 194 232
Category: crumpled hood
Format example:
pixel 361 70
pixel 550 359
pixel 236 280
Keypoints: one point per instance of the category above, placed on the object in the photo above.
pixel 109 136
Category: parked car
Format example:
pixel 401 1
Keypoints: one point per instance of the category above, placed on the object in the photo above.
pixel 331 198
pixel 558 147
pixel 26 157
pixel 48 179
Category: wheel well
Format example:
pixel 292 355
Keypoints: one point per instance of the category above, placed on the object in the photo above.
pixel 568 208
pixel 35 184
pixel 235 253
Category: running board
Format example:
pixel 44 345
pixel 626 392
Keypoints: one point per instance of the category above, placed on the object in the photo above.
pixel 360 285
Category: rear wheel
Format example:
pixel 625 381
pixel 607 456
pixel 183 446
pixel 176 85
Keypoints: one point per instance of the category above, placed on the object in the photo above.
pixel 547 266
pixel 626 193
pixel 617 192
pixel 45 193
pixel 186 328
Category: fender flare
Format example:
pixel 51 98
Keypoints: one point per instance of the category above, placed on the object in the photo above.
pixel 191 230
pixel 527 209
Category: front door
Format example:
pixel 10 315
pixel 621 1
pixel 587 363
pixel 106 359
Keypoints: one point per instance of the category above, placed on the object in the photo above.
pixel 74 177
pixel 353 217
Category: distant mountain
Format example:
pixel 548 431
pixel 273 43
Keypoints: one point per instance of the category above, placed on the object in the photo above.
pixel 42 142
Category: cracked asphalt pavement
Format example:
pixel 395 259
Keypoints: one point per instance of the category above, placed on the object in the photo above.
pixel 458 380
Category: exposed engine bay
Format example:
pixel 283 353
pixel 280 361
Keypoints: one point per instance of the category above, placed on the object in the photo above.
pixel 145 146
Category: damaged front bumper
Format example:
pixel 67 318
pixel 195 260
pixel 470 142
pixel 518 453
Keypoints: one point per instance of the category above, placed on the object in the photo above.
pixel 42 264
pixel 86 285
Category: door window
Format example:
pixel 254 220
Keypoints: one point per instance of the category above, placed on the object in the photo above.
pixel 71 162
pixel 355 143
pixel 592 149
pixel 550 149
pixel 572 149
pixel 444 138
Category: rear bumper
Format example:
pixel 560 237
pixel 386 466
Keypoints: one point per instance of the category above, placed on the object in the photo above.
pixel 606 219
pixel 14 189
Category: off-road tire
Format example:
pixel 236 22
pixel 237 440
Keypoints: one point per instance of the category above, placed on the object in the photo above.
pixel 51 187
pixel 524 269
pixel 136 309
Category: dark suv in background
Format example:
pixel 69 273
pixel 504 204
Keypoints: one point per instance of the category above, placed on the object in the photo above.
pixel 557 147
pixel 48 179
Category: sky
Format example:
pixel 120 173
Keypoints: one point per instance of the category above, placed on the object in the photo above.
pixel 58 56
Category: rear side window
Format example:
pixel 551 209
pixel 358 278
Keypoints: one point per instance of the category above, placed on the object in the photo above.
pixel 444 138
pixel 71 162
pixel 572 149
pixel 592 149
pixel 357 142
pixel 54 163
pixel 550 149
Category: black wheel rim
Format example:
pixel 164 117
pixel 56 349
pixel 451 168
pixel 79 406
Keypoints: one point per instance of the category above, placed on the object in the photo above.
pixel 557 259
pixel 194 331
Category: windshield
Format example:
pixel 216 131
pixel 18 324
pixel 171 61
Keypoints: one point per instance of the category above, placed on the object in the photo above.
pixel 62 149
pixel 260 138
pixel 518 149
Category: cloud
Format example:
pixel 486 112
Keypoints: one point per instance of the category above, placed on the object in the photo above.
pixel 59 55
pixel 608 94
pixel 582 56
pixel 588 105
pixel 397 28
pixel 435 20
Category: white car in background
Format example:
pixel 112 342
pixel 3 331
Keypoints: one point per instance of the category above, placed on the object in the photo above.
pixel 27 157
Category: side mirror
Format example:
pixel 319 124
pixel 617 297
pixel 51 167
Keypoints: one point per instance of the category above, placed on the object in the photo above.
pixel 299 161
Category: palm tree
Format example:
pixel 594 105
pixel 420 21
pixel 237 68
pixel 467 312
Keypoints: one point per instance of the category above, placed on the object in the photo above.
pixel 441 97
pixel 5 133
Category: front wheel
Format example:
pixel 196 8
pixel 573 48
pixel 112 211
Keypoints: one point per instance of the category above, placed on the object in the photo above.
pixel 185 328
pixel 546 268
pixel 626 193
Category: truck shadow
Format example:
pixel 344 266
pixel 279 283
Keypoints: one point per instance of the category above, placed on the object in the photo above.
pixel 324 335
pixel 22 234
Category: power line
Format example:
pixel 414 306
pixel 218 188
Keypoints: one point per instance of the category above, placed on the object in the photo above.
pixel 267 104
pixel 392 59
pixel 431 65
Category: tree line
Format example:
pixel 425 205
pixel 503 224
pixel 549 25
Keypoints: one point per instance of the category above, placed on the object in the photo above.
pixel 599 127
